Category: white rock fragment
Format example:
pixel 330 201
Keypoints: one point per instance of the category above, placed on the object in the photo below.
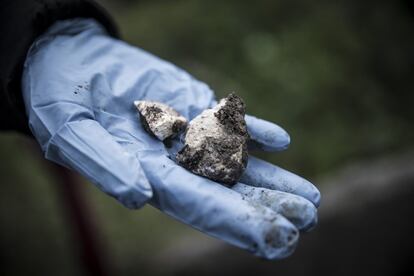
pixel 216 142
pixel 160 120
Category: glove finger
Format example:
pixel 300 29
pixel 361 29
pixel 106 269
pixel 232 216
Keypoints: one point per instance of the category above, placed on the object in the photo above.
pixel 265 135
pixel 89 149
pixel 298 210
pixel 260 173
pixel 217 210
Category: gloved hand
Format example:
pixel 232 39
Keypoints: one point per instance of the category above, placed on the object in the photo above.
pixel 79 86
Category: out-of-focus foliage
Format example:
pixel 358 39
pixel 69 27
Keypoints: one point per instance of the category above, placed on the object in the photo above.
pixel 336 74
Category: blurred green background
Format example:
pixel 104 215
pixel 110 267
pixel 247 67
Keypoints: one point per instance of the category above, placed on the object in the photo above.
pixel 337 75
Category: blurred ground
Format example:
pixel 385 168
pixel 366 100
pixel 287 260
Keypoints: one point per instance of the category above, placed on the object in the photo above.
pixel 336 74
pixel 364 229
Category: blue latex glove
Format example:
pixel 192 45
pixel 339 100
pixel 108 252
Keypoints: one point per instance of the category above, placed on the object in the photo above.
pixel 79 86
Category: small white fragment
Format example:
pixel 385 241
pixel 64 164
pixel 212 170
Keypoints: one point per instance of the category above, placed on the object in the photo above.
pixel 159 119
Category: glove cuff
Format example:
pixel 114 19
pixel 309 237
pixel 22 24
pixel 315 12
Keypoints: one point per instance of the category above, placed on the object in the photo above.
pixel 22 22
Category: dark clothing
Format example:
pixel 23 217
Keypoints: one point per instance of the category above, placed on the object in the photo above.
pixel 22 21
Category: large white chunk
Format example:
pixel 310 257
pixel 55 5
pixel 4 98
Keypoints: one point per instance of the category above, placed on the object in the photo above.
pixel 216 142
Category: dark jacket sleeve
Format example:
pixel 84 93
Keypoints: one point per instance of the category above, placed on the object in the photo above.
pixel 21 22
